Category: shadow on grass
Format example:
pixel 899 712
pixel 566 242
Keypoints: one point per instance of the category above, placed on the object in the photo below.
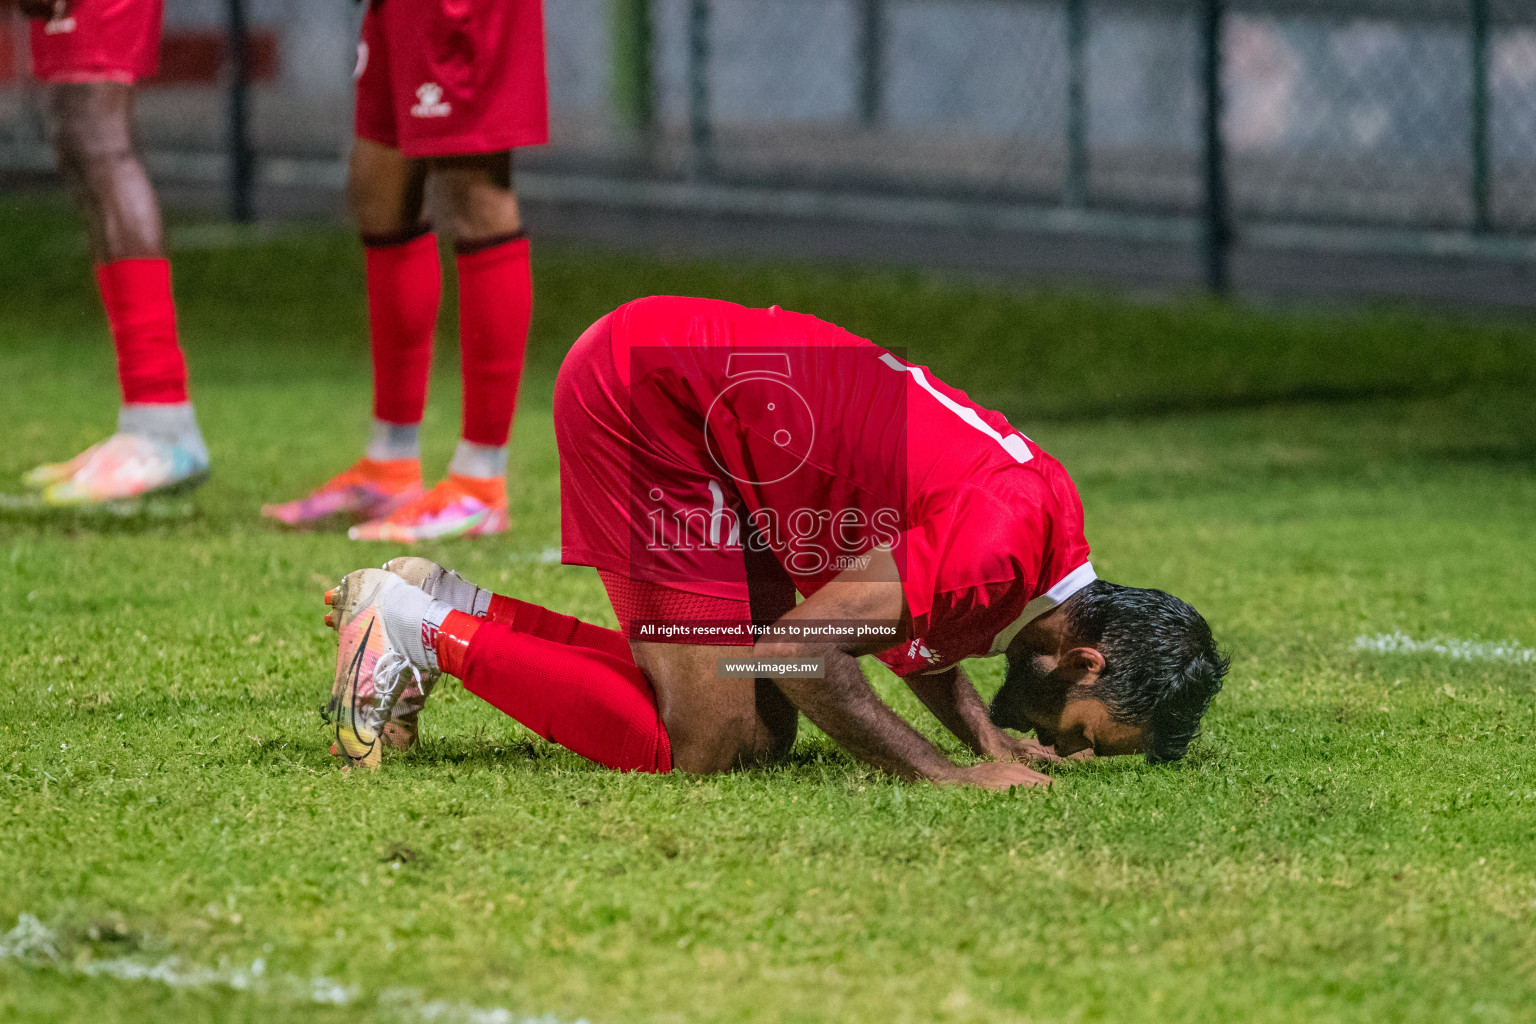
pixel 118 517
pixel 816 761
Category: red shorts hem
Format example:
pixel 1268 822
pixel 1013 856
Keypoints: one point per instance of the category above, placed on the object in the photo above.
pixel 660 613
pixel 374 133
pixel 98 41
pixel 604 562
pixel 86 77
pixel 604 452
pixel 461 146
pixel 438 78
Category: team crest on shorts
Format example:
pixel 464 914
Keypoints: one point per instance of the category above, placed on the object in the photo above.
pixel 59 26
pixel 429 101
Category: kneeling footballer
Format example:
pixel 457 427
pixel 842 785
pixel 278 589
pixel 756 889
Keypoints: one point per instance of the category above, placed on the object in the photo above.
pixel 767 497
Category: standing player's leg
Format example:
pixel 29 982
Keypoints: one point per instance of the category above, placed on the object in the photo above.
pixel 386 191
pixel 90 62
pixel 474 193
pixel 465 121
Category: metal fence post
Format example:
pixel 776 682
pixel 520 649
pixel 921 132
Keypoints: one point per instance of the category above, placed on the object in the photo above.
pixel 1482 215
pixel 871 62
pixel 634 71
pixel 1076 191
pixel 700 128
pixel 242 158
pixel 1217 233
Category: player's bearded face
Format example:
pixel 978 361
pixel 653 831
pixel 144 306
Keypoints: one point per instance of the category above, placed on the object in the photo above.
pixel 1037 695
pixel 1033 696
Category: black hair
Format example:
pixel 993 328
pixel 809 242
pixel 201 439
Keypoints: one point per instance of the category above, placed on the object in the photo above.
pixel 1162 667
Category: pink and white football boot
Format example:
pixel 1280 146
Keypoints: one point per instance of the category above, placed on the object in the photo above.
pixel 460 506
pixel 123 467
pixel 368 489
pixel 383 666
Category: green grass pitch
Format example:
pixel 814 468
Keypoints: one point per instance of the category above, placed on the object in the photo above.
pixel 1353 838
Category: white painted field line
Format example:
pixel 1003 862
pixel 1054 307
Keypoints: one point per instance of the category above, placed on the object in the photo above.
pixel 35 944
pixel 1448 647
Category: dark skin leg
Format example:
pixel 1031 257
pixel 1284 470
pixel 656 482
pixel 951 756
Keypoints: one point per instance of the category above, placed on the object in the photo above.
pixel 386 190
pixel 715 725
pixel 474 196
pixel 92 132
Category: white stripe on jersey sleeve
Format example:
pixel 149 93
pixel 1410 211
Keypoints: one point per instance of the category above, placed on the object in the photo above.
pixel 1013 444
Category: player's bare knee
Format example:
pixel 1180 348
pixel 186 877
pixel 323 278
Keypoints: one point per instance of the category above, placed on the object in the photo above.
pixel 476 195
pixel 720 736
pixel 717 746
pixel 386 190
pixel 700 758
pixel 712 724
pixel 378 212
pixel 475 219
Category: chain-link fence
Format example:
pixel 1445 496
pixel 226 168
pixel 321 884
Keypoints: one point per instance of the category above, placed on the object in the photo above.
pixel 1414 116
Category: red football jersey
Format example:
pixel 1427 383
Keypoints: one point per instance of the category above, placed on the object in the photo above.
pixel 822 445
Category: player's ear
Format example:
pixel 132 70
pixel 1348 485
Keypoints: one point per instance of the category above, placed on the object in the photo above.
pixel 1082 665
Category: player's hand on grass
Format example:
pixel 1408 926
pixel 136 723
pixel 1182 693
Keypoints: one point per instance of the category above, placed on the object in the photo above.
pixel 999 775
pixel 1026 749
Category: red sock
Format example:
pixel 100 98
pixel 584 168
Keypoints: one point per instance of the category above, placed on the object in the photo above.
pixel 599 705
pixel 142 314
pixel 495 306
pixel 562 629
pixel 405 284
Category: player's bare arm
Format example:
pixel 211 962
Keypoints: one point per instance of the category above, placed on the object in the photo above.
pixel 953 700
pixel 949 695
pixel 846 707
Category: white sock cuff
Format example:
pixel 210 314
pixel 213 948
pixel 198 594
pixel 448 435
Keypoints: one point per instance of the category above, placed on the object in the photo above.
pixel 437 611
pixel 479 460
pixel 449 586
pixel 394 441
pixel 173 423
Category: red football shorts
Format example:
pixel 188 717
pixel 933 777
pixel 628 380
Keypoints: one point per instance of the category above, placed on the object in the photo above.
pixel 711 621
pixel 99 41
pixel 599 451
pixel 452 77
pixel 604 520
